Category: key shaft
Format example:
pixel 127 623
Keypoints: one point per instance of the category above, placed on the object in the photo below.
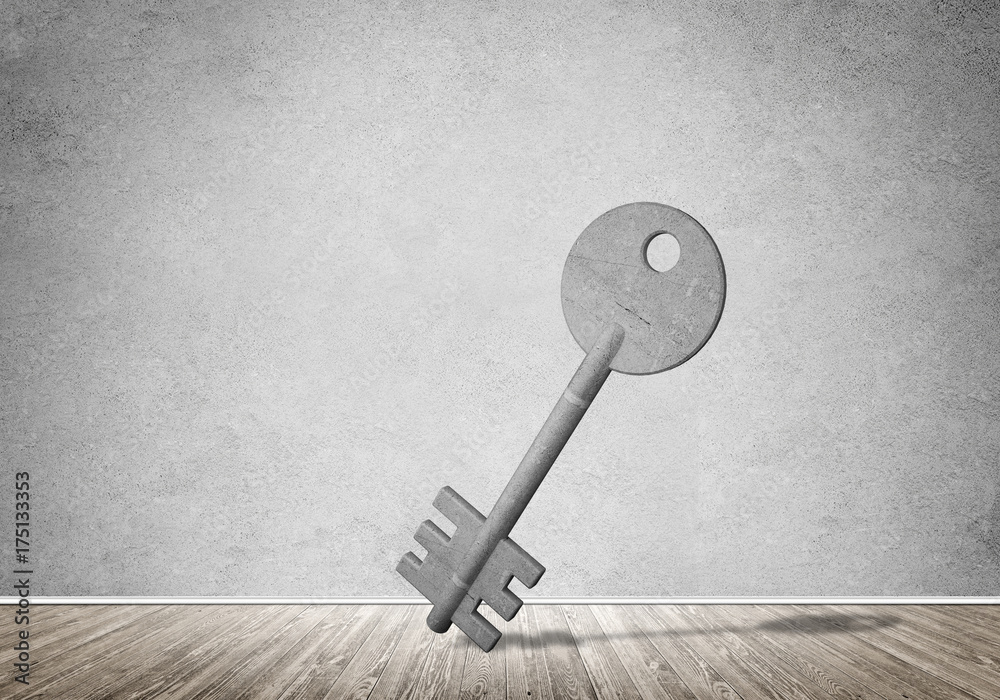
pixel 555 433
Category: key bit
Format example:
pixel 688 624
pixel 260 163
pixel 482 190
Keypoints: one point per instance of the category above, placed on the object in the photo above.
pixel 433 576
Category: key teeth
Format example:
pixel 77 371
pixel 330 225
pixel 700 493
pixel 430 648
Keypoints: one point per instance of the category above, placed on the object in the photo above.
pixel 507 562
pixel 532 571
pixel 409 568
pixel 506 603
pixel 409 562
pixel 478 628
pixel 431 537
pixel 457 509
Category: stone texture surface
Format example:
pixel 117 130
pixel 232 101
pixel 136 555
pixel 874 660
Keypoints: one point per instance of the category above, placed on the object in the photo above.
pixel 273 273
pixel 667 315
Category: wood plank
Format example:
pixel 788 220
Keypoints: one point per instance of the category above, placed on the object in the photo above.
pixel 263 651
pixel 41 617
pixel 401 674
pixel 527 678
pixel 563 665
pixel 952 641
pixel 785 679
pixel 987 640
pixel 652 675
pixel 107 659
pixel 485 674
pixel 208 656
pixel 378 652
pixel 95 621
pixel 698 675
pixel 972 615
pixel 56 616
pixel 727 660
pixel 861 654
pixel 199 642
pixel 956 671
pixel 441 675
pixel 985 615
pixel 990 610
pixel 979 627
pixel 260 672
pixel 836 653
pixel 607 674
pixel 774 642
pixel 67 663
pixel 364 668
pixel 322 652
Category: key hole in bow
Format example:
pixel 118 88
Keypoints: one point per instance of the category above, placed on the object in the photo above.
pixel 662 251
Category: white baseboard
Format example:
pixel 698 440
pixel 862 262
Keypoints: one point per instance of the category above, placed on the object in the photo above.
pixel 203 600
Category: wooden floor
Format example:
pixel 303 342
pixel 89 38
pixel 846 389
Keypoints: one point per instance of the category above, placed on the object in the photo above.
pixel 891 652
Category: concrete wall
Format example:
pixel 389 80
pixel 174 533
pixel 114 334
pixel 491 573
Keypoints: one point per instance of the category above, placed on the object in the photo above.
pixel 274 273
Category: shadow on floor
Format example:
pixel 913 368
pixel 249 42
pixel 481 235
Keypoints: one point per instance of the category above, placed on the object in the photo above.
pixel 545 638
pixel 819 624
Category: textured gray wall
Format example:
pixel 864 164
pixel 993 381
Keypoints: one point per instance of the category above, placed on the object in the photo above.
pixel 273 273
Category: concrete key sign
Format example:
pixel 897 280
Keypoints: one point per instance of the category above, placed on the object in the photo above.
pixel 631 312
